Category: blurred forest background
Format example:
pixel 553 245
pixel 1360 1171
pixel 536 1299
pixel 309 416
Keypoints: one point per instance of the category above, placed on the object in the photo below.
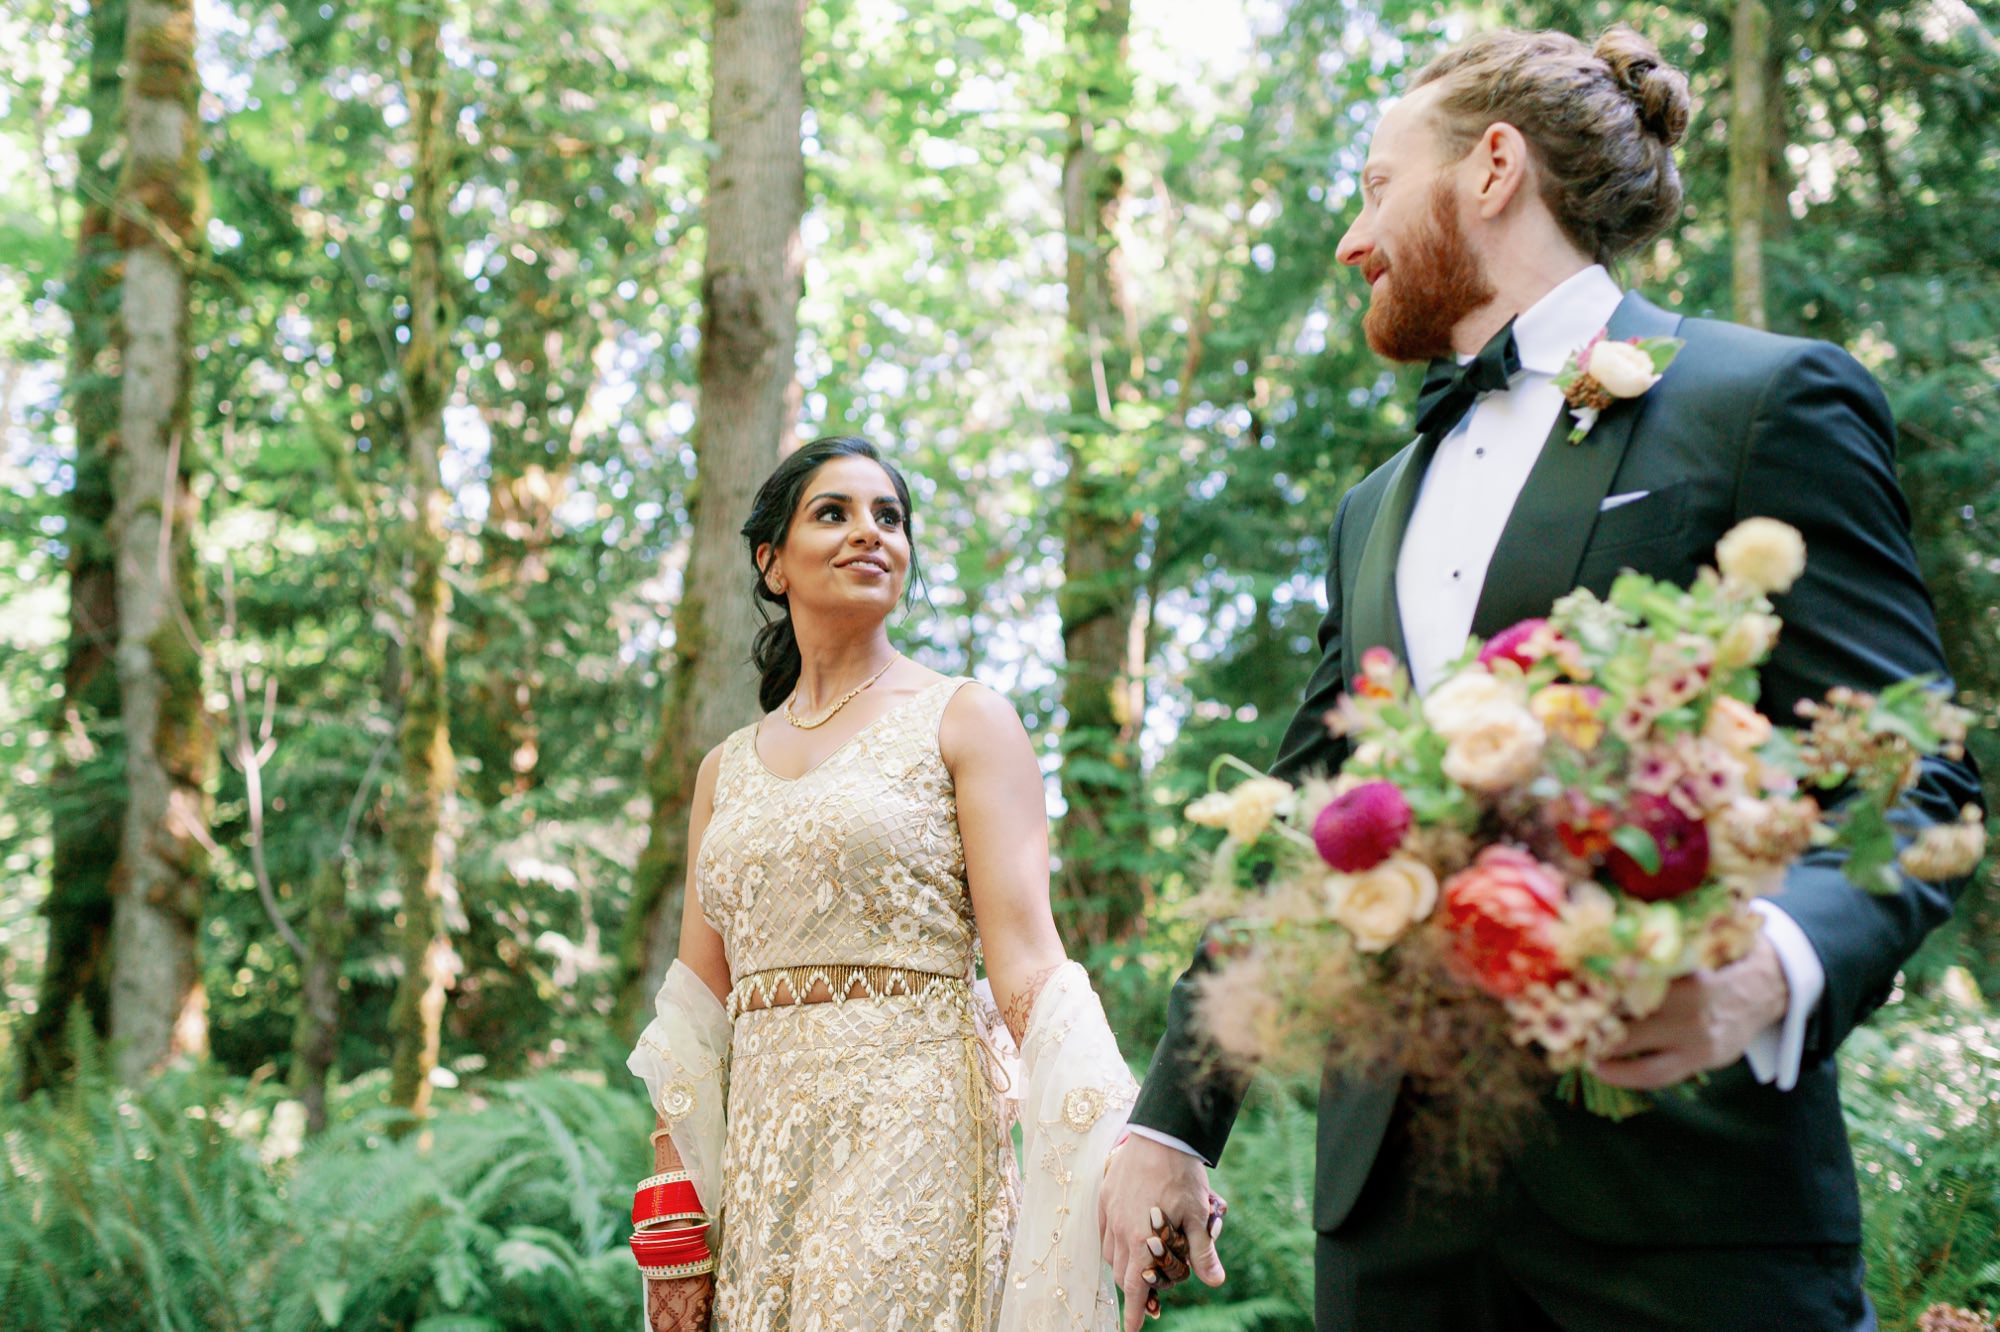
pixel 381 388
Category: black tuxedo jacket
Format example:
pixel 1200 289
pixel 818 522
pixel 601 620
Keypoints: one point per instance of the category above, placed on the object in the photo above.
pixel 1744 423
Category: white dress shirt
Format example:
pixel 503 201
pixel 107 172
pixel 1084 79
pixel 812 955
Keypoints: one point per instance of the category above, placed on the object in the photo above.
pixel 1467 494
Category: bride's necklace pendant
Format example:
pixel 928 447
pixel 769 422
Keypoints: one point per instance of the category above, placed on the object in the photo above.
pixel 845 699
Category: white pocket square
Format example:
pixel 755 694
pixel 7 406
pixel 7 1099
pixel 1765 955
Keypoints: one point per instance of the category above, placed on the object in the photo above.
pixel 1620 501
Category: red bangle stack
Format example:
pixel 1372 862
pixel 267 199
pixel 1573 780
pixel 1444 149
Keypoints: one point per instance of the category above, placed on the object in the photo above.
pixel 667 1254
pixel 664 1198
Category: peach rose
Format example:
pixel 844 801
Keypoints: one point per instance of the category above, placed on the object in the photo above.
pixel 1621 369
pixel 1499 749
pixel 1466 698
pixel 1736 726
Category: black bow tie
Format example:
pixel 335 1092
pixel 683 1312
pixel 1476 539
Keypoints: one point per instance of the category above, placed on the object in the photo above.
pixel 1450 389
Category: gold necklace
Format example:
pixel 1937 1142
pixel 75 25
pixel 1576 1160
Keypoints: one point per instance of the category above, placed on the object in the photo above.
pixel 845 699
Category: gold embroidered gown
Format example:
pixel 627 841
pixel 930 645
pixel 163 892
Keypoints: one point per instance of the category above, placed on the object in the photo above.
pixel 868 1181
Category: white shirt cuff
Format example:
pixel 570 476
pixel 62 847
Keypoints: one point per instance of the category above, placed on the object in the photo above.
pixel 1167 1139
pixel 1776 1052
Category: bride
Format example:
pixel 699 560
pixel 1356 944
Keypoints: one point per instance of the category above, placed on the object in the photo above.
pixel 834 1091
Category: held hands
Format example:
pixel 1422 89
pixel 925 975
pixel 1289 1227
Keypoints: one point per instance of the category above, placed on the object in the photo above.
pixel 1707 1021
pixel 1151 1191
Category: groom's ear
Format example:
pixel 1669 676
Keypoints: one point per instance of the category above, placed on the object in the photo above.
pixel 1497 168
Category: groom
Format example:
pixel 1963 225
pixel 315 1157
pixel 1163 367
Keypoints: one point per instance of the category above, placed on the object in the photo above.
pixel 1493 197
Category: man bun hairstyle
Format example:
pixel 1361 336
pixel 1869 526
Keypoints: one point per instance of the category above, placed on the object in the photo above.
pixel 1600 122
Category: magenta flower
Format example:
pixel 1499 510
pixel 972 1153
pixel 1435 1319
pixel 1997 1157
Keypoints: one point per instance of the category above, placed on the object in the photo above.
pixel 1511 644
pixel 1683 843
pixel 1359 828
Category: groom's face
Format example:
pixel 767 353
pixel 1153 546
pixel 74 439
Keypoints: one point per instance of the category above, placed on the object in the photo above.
pixel 1409 241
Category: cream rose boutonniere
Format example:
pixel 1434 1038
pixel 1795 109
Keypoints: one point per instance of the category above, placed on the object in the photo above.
pixel 1605 372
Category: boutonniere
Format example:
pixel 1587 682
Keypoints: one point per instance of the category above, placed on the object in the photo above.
pixel 1605 372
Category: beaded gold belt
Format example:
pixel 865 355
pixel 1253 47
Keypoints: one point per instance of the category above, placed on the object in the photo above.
pixel 782 987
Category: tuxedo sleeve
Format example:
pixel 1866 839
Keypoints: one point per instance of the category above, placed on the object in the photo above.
pixel 1821 457
pixel 1189 1095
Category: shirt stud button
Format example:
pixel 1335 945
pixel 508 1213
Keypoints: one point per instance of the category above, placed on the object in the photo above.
pixel 1454 575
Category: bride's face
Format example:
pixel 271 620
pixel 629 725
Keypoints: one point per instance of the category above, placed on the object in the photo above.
pixel 848 546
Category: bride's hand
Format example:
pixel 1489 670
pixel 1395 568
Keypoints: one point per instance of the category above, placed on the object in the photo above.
pixel 1144 1177
pixel 680 1306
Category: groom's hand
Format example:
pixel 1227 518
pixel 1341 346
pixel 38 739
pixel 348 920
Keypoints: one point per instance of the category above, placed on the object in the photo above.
pixel 1145 1178
pixel 1707 1021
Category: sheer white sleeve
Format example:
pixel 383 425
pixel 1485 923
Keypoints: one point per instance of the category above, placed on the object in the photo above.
pixel 1075 1094
pixel 683 1056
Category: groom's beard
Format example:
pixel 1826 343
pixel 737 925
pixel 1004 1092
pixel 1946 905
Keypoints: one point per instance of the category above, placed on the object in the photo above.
pixel 1434 283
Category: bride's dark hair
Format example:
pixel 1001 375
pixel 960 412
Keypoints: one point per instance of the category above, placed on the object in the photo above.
pixel 775 650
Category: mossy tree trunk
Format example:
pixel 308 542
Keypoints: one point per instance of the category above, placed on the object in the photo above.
pixel 87 787
pixel 751 281
pixel 1098 894
pixel 158 1008
pixel 1750 134
pixel 417 830
pixel 316 1033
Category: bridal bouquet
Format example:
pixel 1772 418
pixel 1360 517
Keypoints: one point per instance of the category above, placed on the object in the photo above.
pixel 1510 869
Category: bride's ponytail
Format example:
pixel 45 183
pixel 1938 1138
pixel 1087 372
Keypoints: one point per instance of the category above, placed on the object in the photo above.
pixel 775 650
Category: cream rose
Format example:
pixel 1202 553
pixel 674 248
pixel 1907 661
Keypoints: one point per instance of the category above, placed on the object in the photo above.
pixel 1621 369
pixel 1736 726
pixel 1245 810
pixel 1746 642
pixel 1378 906
pixel 1500 748
pixel 1468 698
pixel 1762 552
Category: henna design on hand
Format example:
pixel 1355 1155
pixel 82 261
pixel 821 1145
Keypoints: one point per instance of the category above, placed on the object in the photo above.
pixel 680 1306
pixel 1022 1005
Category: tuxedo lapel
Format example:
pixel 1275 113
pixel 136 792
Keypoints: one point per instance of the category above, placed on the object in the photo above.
pixel 1375 619
pixel 1542 545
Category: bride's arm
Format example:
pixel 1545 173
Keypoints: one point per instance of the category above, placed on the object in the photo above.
pixel 701 946
pixel 1003 821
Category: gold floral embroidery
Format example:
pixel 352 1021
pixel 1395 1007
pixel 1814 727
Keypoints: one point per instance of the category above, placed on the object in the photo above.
pixel 868 1178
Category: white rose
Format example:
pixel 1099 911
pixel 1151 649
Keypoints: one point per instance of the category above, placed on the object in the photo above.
pixel 1255 803
pixel 1502 748
pixel 1762 552
pixel 1379 905
pixel 1620 369
pixel 1468 698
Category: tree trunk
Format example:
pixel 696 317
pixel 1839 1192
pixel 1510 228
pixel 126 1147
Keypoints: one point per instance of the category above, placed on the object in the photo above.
pixel 1098 894
pixel 1749 158
pixel 316 1034
pixel 417 829
pixel 751 283
pixel 87 788
pixel 158 1008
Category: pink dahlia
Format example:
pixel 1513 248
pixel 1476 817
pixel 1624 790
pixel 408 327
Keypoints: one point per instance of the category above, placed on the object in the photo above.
pixel 1359 828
